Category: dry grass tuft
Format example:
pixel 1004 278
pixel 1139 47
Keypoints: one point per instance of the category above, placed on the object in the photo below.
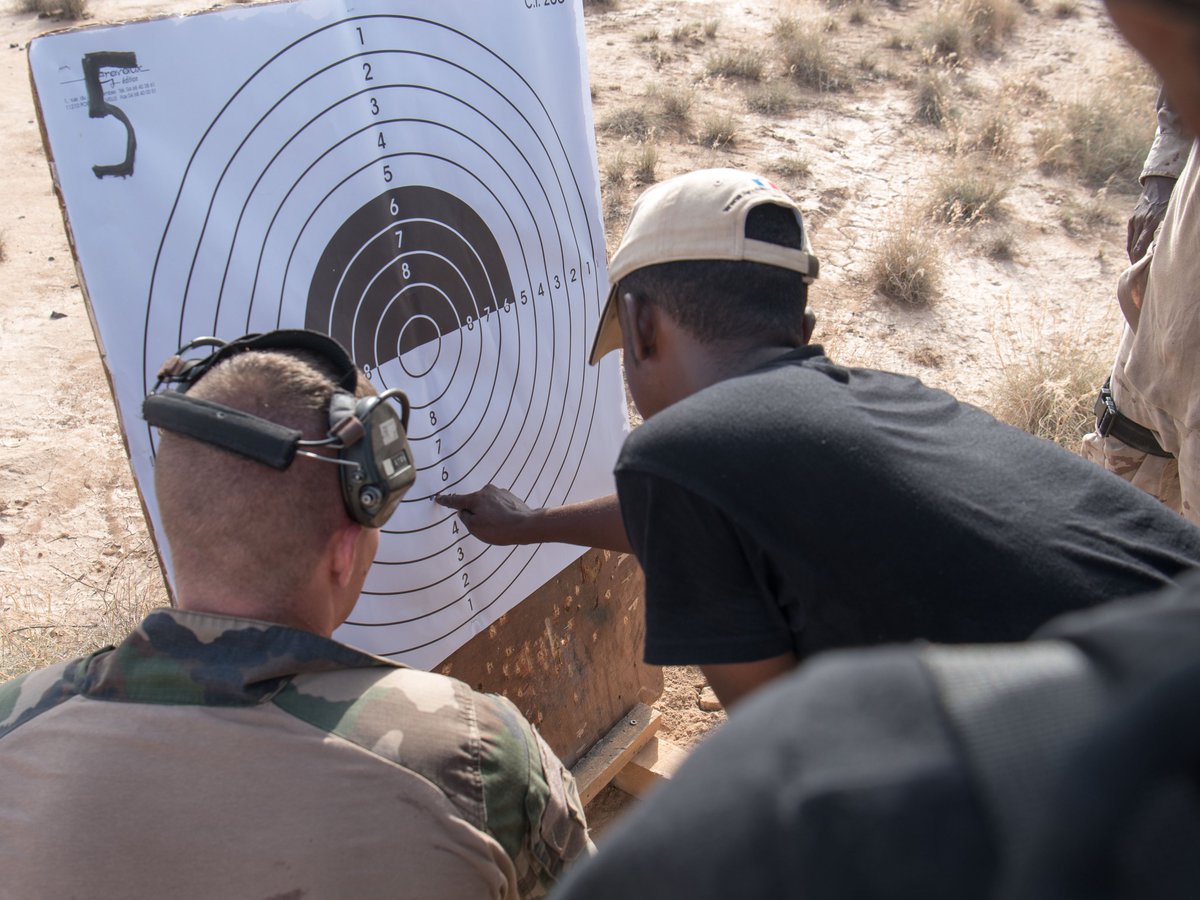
pixel 745 62
pixel 999 244
pixel 675 107
pixel 934 94
pixel 645 164
pixel 968 192
pixel 772 98
pixel 1102 137
pixel 807 56
pixel 616 210
pixel 956 29
pixel 615 170
pixel 719 130
pixel 695 33
pixel 628 121
pixel 64 9
pixel 792 166
pixel 1050 389
pixel 907 265
pixel 994 132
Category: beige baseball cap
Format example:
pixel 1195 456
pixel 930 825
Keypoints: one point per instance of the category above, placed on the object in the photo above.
pixel 700 215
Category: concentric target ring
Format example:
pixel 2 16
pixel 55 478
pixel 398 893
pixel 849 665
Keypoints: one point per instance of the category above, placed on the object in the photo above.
pixel 457 256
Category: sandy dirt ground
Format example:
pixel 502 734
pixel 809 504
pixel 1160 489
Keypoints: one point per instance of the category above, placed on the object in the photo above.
pixel 73 543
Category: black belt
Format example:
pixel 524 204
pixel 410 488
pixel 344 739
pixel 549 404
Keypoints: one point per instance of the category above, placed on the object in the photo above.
pixel 1110 423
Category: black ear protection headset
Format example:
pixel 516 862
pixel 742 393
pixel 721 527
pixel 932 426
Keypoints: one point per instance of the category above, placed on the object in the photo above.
pixel 368 433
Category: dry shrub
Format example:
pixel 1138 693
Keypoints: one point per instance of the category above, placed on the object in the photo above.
pixel 1101 137
pixel 772 98
pixel 807 56
pixel 1049 389
pixel 907 266
pixel 968 192
pixel 745 62
pixel 1065 9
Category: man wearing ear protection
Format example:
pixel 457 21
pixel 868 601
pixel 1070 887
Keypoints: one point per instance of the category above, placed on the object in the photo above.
pixel 229 747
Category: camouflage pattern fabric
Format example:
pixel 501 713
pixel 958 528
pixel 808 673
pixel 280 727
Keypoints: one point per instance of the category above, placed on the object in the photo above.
pixel 477 749
pixel 1158 476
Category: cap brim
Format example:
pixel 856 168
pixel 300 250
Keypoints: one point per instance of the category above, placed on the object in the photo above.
pixel 608 333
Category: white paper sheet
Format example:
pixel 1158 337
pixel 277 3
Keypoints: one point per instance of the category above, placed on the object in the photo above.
pixel 416 179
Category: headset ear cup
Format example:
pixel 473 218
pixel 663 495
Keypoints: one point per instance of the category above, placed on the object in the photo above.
pixel 353 478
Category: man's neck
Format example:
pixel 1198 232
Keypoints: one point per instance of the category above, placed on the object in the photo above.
pixel 729 359
pixel 289 613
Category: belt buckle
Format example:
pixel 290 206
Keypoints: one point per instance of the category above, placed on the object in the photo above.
pixel 1106 411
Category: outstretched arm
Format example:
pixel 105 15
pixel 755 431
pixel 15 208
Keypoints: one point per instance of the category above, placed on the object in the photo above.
pixel 731 682
pixel 498 516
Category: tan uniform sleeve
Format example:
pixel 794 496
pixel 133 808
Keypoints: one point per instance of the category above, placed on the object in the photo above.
pixel 1171 144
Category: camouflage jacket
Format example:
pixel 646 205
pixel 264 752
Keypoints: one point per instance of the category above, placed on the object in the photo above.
pixel 213 756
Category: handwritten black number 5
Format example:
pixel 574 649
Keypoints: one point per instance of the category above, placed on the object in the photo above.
pixel 98 107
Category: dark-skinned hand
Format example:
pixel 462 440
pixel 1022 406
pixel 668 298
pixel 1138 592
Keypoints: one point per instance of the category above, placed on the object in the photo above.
pixel 1149 212
pixel 493 515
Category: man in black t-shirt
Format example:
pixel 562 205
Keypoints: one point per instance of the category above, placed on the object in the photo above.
pixel 780 504
pixel 1055 768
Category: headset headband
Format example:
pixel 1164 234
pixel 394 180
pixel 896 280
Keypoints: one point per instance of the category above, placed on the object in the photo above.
pixel 370 436
pixel 177 370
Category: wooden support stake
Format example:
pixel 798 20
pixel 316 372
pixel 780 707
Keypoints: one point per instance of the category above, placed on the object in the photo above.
pixel 614 750
pixel 656 761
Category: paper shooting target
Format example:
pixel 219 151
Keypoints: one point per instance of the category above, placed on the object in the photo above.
pixel 421 188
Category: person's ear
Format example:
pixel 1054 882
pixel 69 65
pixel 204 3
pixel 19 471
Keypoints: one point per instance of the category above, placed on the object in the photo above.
pixel 343 546
pixel 810 323
pixel 639 325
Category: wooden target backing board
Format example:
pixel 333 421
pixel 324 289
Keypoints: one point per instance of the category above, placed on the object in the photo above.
pixel 418 180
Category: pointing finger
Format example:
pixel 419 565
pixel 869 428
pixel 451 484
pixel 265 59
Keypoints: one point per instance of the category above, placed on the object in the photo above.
pixel 454 501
